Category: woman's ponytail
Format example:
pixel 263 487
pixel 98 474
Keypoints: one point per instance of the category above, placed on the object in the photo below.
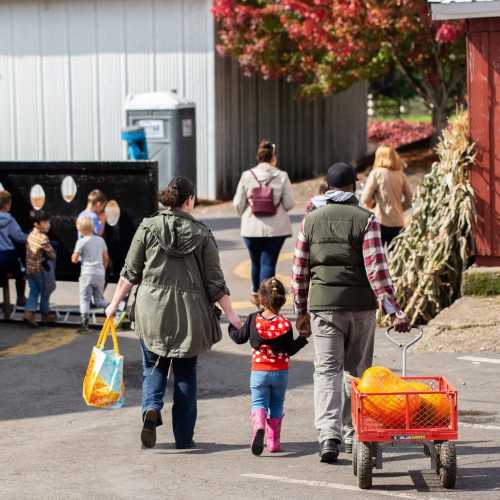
pixel 178 190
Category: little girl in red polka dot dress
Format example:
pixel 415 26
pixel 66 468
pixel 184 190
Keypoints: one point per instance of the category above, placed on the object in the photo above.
pixel 271 337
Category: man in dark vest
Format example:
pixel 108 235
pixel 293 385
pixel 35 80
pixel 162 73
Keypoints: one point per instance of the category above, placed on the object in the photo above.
pixel 340 277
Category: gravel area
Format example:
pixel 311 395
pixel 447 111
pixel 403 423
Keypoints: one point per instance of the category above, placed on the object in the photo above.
pixel 471 324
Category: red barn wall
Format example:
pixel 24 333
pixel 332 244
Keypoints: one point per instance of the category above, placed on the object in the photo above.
pixel 483 46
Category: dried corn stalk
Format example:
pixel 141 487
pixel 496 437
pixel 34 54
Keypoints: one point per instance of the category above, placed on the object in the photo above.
pixel 429 256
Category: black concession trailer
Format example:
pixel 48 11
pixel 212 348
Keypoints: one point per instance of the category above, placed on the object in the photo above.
pixel 61 189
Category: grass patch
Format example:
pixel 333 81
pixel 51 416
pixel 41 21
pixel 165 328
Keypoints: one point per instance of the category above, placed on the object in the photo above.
pixel 484 283
pixel 406 118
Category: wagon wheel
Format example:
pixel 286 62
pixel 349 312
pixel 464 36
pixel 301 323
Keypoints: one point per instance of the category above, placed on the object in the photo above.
pixel 364 465
pixel 438 444
pixel 448 464
pixel 355 456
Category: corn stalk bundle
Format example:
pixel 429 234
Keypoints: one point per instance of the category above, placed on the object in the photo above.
pixel 429 256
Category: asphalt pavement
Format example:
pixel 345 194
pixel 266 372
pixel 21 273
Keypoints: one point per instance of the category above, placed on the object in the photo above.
pixel 54 447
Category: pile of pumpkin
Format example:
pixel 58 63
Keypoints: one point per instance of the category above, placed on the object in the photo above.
pixel 425 410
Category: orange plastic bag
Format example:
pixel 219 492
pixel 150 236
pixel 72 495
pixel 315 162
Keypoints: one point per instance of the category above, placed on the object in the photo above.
pixel 103 385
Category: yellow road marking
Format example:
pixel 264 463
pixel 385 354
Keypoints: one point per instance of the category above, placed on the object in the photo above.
pixel 239 305
pixel 242 304
pixel 39 342
pixel 244 269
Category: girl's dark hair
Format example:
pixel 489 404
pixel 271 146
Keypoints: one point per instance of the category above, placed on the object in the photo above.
pixel 266 151
pixel 272 294
pixel 178 190
pixel 38 216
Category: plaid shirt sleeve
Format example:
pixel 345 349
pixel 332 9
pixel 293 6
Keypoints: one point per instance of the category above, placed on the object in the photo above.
pixel 377 269
pixel 301 273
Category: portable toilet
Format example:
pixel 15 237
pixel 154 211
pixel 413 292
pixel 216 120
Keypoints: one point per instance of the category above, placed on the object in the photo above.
pixel 170 127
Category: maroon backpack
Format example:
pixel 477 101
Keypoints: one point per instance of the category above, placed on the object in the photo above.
pixel 261 198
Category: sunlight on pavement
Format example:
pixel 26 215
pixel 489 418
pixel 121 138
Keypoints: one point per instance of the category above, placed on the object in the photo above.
pixel 243 271
pixel 40 342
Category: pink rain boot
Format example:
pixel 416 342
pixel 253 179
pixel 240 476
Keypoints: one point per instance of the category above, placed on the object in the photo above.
pixel 258 429
pixel 273 431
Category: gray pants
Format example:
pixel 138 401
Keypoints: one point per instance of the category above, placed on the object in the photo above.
pixel 91 291
pixel 343 348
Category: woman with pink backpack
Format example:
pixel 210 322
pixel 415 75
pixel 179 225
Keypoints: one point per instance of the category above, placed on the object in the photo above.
pixel 263 199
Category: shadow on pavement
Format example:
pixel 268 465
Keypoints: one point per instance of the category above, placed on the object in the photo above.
pixel 199 449
pixel 468 478
pixel 50 383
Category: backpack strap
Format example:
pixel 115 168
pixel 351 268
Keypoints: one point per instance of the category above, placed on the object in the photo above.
pixel 266 183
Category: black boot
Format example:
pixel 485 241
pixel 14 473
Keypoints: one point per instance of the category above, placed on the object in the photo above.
pixel 84 325
pixel 329 451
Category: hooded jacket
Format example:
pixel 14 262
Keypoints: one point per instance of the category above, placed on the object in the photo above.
pixel 10 232
pixel 175 261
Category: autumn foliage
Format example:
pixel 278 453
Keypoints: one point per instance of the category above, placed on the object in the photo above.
pixel 326 45
pixel 395 133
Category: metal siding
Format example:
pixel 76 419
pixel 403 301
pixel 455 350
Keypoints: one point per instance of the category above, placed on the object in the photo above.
pixel 310 135
pixel 53 34
pixel 465 10
pixel 77 59
pixel 82 52
pixel 7 89
pixel 198 42
pixel 169 45
pixel 27 81
pixel 209 167
pixel 139 42
pixel 112 82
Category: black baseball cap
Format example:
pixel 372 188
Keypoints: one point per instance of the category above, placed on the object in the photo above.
pixel 341 174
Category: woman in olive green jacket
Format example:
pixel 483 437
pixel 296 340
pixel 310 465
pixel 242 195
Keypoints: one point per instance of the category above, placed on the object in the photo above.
pixel 174 260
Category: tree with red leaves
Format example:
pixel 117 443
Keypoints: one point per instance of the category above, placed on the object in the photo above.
pixel 327 45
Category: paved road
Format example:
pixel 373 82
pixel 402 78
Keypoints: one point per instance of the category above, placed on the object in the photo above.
pixel 55 447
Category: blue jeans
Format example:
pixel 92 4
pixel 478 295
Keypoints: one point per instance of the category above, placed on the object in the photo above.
pixel 264 253
pixel 37 294
pixel 268 391
pixel 154 385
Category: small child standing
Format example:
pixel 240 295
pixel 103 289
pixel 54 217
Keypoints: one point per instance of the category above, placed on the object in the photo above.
pixel 38 249
pixel 271 337
pixel 92 252
pixel 96 203
pixel 318 201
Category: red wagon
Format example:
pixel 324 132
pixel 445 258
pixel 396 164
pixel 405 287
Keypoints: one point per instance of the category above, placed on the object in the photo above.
pixel 428 418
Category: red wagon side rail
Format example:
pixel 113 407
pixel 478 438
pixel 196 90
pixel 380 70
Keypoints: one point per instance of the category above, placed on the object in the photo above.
pixel 416 415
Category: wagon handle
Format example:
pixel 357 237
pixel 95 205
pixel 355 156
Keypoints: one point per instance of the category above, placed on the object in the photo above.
pixel 404 347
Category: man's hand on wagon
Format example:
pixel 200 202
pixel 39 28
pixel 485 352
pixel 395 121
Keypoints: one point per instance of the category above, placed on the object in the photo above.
pixel 401 322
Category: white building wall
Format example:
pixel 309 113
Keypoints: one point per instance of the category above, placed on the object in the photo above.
pixel 67 65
